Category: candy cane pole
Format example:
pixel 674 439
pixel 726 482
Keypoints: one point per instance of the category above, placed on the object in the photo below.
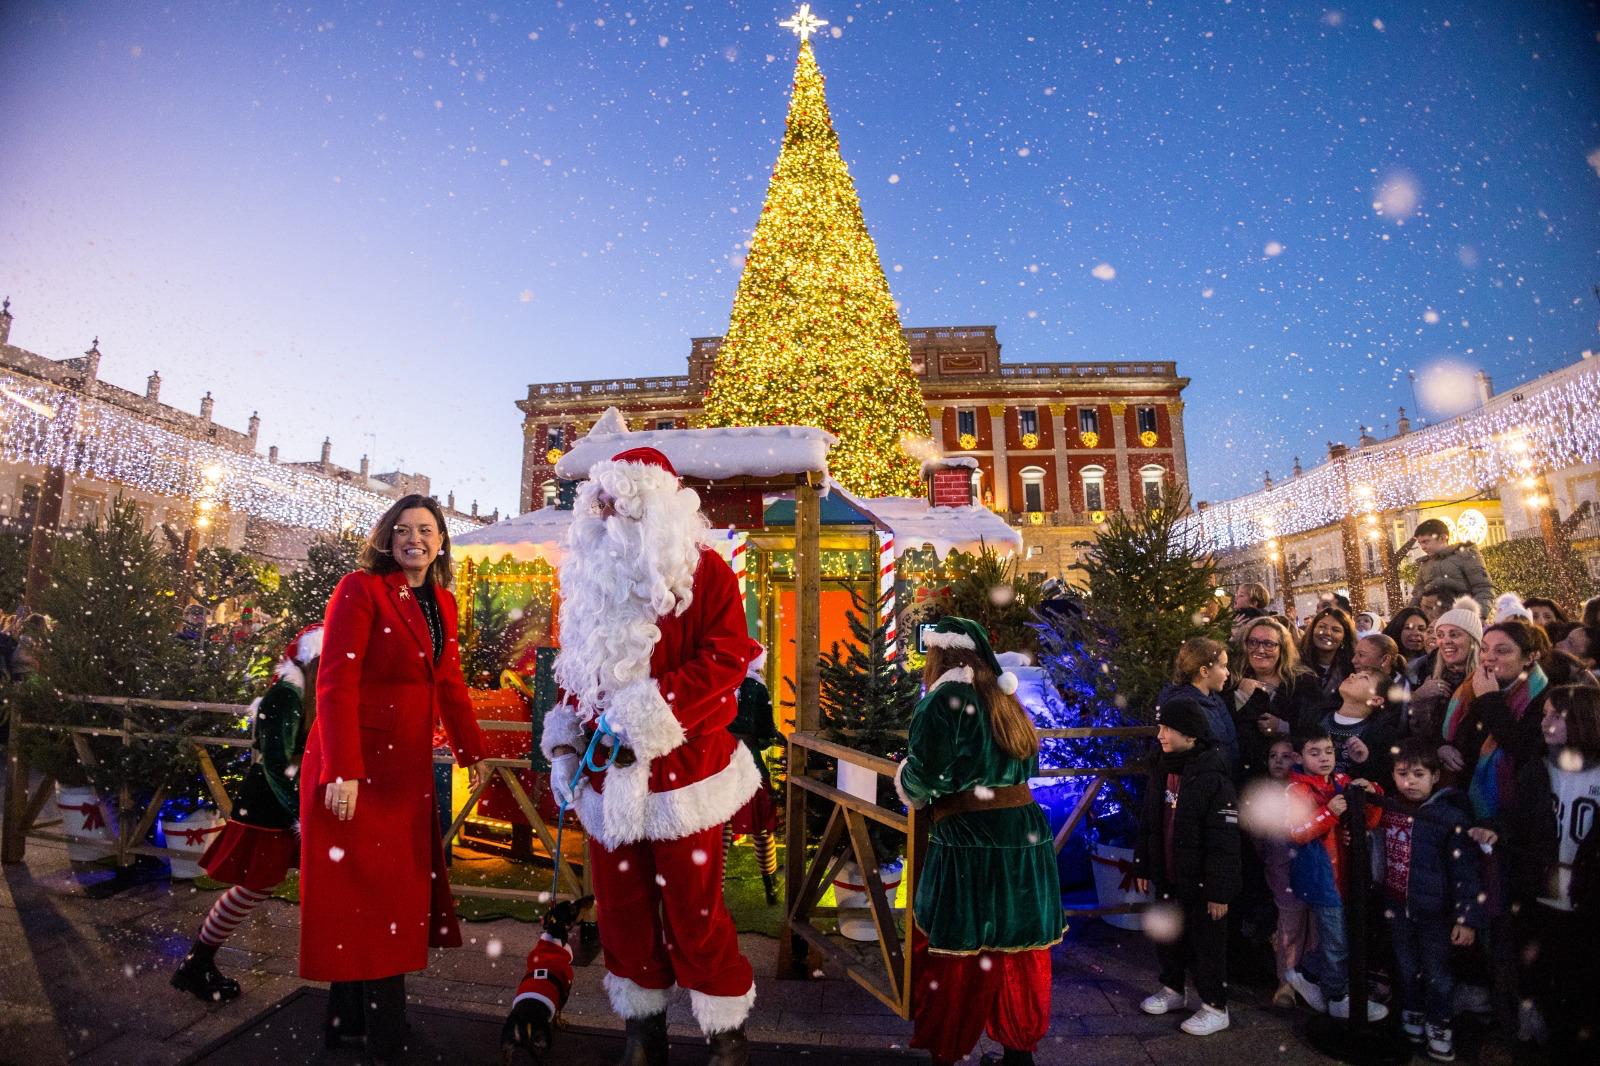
pixel 886 609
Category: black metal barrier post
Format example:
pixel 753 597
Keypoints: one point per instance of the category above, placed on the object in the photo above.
pixel 1354 1039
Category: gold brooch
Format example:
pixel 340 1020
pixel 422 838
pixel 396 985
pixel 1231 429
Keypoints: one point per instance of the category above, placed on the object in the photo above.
pixel 405 593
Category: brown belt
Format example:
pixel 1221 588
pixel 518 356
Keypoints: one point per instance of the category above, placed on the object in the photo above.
pixel 1018 795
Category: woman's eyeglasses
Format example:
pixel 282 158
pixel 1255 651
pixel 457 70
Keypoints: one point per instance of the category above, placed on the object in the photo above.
pixel 1262 645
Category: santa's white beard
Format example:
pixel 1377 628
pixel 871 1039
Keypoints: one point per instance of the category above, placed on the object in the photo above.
pixel 620 574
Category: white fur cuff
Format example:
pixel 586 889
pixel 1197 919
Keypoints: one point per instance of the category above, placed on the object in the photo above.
pixel 935 639
pixel 561 727
pixel 630 1000
pixel 719 1014
pixel 643 720
pixel 960 675
pixel 900 789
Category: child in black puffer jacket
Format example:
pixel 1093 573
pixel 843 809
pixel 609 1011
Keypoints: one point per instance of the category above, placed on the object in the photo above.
pixel 1188 848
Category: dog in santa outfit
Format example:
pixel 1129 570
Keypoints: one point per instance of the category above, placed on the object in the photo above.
pixel 653 648
pixel 546 983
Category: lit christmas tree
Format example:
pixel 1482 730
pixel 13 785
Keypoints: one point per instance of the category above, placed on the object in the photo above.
pixel 814 338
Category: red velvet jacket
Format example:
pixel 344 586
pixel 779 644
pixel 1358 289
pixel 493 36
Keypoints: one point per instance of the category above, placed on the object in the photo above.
pixel 374 892
pixel 691 772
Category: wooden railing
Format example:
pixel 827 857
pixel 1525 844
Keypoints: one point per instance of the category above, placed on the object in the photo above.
pixel 889 976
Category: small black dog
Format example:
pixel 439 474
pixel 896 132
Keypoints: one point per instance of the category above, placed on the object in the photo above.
pixel 545 985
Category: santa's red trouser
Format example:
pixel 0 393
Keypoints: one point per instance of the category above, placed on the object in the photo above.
pixel 663 922
pixel 959 996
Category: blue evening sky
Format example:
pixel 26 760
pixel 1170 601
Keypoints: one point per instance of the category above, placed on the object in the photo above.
pixel 380 222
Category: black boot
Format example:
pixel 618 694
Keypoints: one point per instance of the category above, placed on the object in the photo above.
pixel 769 881
pixel 647 1041
pixel 199 977
pixel 731 1048
pixel 386 1018
pixel 346 1017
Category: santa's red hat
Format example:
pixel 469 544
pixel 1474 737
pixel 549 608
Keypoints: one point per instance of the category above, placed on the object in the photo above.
pixel 647 456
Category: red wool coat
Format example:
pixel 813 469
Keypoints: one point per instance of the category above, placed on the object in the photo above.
pixel 374 895
pixel 691 772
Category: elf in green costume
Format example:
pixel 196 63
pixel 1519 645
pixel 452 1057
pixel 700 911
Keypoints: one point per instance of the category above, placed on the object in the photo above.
pixel 988 901
pixel 261 842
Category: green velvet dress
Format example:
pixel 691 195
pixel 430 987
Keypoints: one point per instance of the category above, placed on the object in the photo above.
pixel 989 881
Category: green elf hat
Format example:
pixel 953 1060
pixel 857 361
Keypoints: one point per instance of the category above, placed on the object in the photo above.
pixel 954 632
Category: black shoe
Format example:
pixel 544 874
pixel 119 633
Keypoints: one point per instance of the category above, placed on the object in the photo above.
pixel 1012 1057
pixel 647 1041
pixel 769 881
pixel 346 1017
pixel 198 976
pixel 731 1048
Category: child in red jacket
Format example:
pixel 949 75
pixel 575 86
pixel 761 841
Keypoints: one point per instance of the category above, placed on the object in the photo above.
pixel 1317 871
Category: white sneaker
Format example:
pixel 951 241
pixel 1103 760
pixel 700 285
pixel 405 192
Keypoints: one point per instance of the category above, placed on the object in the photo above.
pixel 1441 1045
pixel 1307 990
pixel 1411 1021
pixel 1340 1008
pixel 1205 1021
pixel 1163 1001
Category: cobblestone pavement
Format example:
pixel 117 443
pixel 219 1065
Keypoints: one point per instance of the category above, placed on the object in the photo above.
pixel 83 979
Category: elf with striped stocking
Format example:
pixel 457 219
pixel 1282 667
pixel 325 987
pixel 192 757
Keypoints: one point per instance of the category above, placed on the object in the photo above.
pixel 754 727
pixel 261 842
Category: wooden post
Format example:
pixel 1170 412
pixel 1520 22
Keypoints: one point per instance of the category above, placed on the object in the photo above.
pixel 808 606
pixel 14 840
pixel 808 684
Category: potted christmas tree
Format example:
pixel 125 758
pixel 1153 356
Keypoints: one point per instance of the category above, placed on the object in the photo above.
pixel 1108 649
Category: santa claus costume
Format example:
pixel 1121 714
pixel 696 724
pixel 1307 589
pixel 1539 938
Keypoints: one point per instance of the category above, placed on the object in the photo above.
pixel 261 841
pixel 653 648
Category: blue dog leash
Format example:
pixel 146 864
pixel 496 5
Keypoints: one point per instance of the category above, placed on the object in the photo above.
pixel 585 765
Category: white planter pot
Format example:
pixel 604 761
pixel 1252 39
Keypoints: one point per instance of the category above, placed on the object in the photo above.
pixel 188 839
pixel 1113 868
pixel 83 819
pixel 849 891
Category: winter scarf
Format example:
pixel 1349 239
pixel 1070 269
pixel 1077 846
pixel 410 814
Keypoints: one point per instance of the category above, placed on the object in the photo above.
pixel 1494 777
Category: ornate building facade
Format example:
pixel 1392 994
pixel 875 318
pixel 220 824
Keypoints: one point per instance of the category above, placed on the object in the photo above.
pixel 1058 445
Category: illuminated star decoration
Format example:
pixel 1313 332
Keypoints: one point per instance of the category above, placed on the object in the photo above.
pixel 804 23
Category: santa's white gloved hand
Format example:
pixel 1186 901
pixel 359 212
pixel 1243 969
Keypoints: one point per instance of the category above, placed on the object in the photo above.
pixel 563 768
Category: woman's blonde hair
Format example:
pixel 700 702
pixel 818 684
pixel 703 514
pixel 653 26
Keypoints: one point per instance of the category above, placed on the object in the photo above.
pixel 1288 666
pixel 1012 728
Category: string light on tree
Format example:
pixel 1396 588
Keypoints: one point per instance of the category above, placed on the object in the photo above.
pixel 814 338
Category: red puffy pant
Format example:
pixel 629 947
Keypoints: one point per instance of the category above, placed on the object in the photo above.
pixel 662 918
pixel 957 997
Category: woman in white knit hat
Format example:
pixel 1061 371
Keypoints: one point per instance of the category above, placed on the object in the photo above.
pixel 1457 632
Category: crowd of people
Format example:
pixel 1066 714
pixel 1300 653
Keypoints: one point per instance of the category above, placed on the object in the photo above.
pixel 1471 726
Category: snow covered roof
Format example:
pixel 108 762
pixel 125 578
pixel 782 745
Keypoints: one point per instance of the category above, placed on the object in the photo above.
pixel 915 524
pixel 535 535
pixel 949 462
pixel 713 454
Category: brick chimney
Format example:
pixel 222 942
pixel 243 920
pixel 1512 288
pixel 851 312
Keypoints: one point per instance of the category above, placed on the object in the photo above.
pixel 255 427
pixel 327 450
pixel 365 466
pixel 5 321
pixel 450 502
pixel 91 366
pixel 1297 470
pixel 272 454
pixel 207 406
pixel 152 387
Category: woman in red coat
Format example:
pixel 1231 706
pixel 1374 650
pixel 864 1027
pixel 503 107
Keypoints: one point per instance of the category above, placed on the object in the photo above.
pixel 374 892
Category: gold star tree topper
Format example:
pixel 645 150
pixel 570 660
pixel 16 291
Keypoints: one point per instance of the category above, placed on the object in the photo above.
pixel 804 23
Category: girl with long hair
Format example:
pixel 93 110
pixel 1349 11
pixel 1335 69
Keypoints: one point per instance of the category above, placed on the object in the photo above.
pixel 983 955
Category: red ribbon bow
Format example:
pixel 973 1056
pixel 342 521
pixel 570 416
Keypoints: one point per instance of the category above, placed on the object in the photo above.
pixel 1123 867
pixel 93 817
pixel 193 837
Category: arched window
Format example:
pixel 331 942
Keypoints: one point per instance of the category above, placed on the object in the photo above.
pixel 548 492
pixel 1032 488
pixel 1094 488
pixel 1150 479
